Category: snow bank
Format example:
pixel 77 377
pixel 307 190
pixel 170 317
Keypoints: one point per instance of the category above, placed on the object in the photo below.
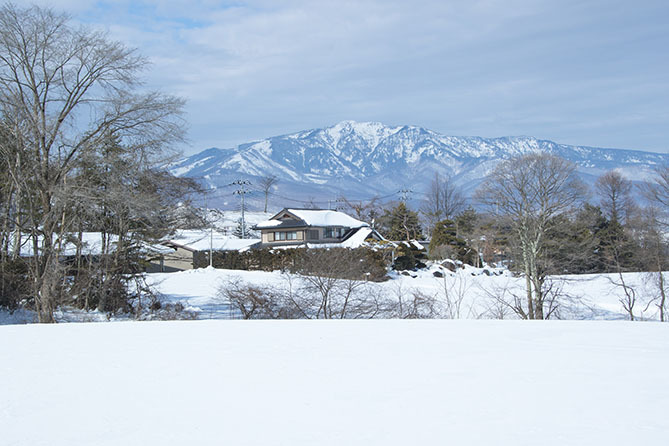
pixel 335 383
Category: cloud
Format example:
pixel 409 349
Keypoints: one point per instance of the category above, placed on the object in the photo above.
pixel 556 70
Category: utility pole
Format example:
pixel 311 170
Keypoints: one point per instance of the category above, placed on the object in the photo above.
pixel 242 192
pixel 211 230
pixel 340 204
pixel 211 247
pixel 405 194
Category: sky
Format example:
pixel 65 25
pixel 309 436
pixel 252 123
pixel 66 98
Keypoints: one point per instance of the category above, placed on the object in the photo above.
pixel 576 72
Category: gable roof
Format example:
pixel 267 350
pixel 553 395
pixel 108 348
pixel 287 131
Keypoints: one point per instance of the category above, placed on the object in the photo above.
pixel 310 217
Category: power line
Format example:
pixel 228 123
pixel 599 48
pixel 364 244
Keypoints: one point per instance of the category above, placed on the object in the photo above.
pixel 405 194
pixel 217 193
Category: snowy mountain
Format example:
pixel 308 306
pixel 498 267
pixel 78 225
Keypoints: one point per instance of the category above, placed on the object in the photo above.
pixel 360 160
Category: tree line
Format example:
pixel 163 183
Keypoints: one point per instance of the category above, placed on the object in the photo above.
pixel 533 213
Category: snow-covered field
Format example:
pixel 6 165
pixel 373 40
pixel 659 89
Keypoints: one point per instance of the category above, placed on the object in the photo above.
pixel 335 383
pixel 590 296
pixel 470 291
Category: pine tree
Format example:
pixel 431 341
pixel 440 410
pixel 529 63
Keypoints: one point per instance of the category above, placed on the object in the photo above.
pixel 446 243
pixel 401 223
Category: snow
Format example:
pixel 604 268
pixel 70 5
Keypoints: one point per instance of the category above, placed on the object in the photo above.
pixel 323 217
pixel 593 296
pixel 335 383
pixel 202 240
pixel 366 159
pixel 91 244
pixel 318 217
pixel 268 224
pixel 227 221
pixel 357 239
pixel 585 297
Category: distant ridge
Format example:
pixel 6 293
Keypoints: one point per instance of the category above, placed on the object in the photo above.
pixel 359 160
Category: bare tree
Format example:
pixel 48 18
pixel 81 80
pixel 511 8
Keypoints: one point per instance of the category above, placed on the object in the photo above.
pixel 266 184
pixel 658 190
pixel 454 289
pixel 63 92
pixel 312 296
pixel 655 245
pixel 368 211
pixel 443 199
pixel 615 193
pixel 310 203
pixel 616 201
pixel 532 190
pixel 501 300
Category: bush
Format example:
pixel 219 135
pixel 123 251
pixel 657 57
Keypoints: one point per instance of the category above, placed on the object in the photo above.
pixel 409 257
pixel 358 264
pixel 13 283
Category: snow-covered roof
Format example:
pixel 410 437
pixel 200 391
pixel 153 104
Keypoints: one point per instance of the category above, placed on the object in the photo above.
pixel 202 240
pixel 358 238
pixel 315 217
pixel 268 224
pixel 91 244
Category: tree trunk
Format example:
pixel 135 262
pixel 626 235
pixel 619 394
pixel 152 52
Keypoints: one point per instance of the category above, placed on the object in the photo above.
pixel 663 296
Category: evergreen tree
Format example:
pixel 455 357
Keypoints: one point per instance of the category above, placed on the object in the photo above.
pixel 466 223
pixel 445 243
pixel 401 223
pixel 573 245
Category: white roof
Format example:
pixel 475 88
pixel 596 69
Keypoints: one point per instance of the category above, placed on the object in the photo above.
pixel 357 239
pixel 201 240
pixel 325 217
pixel 268 224
pixel 91 244
pixel 318 217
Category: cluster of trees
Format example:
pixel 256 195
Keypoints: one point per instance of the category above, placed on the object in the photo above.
pixel 535 214
pixel 81 146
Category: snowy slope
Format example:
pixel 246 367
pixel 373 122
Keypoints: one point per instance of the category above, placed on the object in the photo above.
pixel 363 159
pixel 334 383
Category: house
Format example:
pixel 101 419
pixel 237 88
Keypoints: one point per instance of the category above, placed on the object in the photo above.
pixel 187 245
pixel 293 227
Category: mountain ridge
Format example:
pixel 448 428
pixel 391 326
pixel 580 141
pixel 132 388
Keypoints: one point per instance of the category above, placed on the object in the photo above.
pixel 355 159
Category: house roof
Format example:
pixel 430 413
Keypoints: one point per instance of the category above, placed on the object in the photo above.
pixel 203 239
pixel 91 244
pixel 311 217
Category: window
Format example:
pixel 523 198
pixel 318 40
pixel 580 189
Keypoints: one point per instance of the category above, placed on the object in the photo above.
pixel 312 234
pixel 334 232
pixel 292 235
